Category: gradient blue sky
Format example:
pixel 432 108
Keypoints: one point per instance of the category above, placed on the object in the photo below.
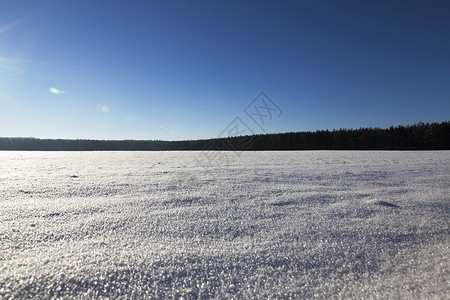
pixel 185 69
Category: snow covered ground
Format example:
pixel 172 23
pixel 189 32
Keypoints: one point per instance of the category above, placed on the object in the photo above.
pixel 314 224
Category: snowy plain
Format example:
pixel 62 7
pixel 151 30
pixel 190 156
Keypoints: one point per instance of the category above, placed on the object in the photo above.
pixel 306 224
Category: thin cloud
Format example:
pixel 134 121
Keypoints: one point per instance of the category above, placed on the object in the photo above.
pixel 10 25
pixel 13 65
pixel 103 108
pixel 56 91
pixel 12 60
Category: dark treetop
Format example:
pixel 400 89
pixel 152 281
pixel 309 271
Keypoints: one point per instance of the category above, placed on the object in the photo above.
pixel 421 136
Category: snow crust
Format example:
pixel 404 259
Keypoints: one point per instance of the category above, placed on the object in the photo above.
pixel 311 224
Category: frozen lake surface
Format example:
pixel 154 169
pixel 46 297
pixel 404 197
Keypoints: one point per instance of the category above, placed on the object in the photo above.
pixel 312 224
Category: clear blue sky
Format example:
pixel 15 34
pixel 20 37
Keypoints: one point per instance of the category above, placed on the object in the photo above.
pixel 186 69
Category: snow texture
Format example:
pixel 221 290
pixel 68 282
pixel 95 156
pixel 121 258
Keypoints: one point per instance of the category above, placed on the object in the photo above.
pixel 311 224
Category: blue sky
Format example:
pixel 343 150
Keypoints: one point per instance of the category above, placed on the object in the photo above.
pixel 186 69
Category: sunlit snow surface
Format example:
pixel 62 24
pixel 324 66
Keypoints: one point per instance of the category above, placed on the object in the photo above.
pixel 266 224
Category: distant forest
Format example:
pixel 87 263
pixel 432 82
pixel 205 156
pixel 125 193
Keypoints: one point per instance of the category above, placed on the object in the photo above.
pixel 421 136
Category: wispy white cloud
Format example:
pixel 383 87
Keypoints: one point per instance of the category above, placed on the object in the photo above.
pixel 10 25
pixel 12 60
pixel 103 108
pixel 12 65
pixel 56 91
pixel 167 129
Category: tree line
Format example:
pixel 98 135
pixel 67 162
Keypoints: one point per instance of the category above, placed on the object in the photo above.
pixel 420 136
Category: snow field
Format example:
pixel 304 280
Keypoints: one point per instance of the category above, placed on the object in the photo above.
pixel 312 224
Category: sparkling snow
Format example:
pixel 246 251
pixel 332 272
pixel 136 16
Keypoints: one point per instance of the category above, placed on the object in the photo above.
pixel 312 224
